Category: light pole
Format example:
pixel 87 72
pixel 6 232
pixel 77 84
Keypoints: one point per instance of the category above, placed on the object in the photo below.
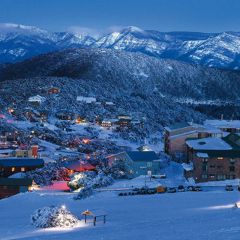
pixel 145 183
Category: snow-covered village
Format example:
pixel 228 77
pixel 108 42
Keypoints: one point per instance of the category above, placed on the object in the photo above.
pixel 119 120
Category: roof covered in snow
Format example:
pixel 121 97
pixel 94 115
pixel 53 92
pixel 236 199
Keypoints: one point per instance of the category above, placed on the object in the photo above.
pixel 177 126
pixel 223 123
pixel 208 144
pixel 190 133
pixel 36 98
pixel 202 155
pixel 187 167
pixel 86 99
pixel 228 146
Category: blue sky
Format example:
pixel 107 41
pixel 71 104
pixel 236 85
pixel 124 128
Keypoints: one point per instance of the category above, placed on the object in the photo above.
pixel 99 15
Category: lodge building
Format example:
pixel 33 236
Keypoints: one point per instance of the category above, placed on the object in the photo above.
pixel 213 159
pixel 10 166
pixel 13 186
pixel 176 135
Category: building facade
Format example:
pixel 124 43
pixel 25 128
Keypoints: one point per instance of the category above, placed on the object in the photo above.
pixel 175 137
pixel 140 163
pixel 13 186
pixel 10 166
pixel 214 159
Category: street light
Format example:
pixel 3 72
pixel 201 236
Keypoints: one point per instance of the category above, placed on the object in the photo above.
pixel 145 183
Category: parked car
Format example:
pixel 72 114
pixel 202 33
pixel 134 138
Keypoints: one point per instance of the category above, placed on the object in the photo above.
pixel 160 176
pixel 181 188
pixel 190 188
pixel 197 189
pixel 171 190
pixel 229 188
pixel 161 189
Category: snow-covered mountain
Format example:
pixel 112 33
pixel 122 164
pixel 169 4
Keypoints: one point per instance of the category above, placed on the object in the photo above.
pixel 213 50
pixel 19 42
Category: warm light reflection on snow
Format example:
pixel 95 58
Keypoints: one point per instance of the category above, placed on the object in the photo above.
pixel 65 229
pixel 220 207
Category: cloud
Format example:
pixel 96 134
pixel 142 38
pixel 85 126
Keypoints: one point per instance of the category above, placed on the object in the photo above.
pixel 96 33
pixel 85 31
pixel 19 28
pixel 115 28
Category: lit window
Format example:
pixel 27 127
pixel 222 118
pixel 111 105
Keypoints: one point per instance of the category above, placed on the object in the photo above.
pixel 13 169
pixel 22 169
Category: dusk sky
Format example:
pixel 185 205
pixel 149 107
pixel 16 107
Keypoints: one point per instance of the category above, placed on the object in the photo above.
pixel 99 15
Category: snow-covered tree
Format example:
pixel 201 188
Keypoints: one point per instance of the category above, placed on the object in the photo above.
pixel 48 217
pixel 80 180
pixel 120 168
pixel 84 192
pixel 85 182
pixel 49 173
pixel 102 180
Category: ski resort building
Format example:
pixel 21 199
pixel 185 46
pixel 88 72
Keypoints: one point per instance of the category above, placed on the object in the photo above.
pixel 213 158
pixel 109 122
pixel 36 99
pixel 65 115
pixel 86 99
pixel 139 163
pixel 13 186
pixel 53 90
pixel 10 166
pixel 176 135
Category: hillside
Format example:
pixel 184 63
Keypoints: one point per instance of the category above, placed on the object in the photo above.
pixel 142 86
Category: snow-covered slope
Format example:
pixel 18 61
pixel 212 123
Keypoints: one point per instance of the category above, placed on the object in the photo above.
pixel 199 215
pixel 221 50
pixel 18 42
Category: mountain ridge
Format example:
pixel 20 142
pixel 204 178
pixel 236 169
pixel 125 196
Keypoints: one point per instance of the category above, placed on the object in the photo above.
pixel 221 50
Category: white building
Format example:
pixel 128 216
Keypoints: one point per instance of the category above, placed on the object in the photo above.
pixel 109 104
pixel 36 99
pixel 86 99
